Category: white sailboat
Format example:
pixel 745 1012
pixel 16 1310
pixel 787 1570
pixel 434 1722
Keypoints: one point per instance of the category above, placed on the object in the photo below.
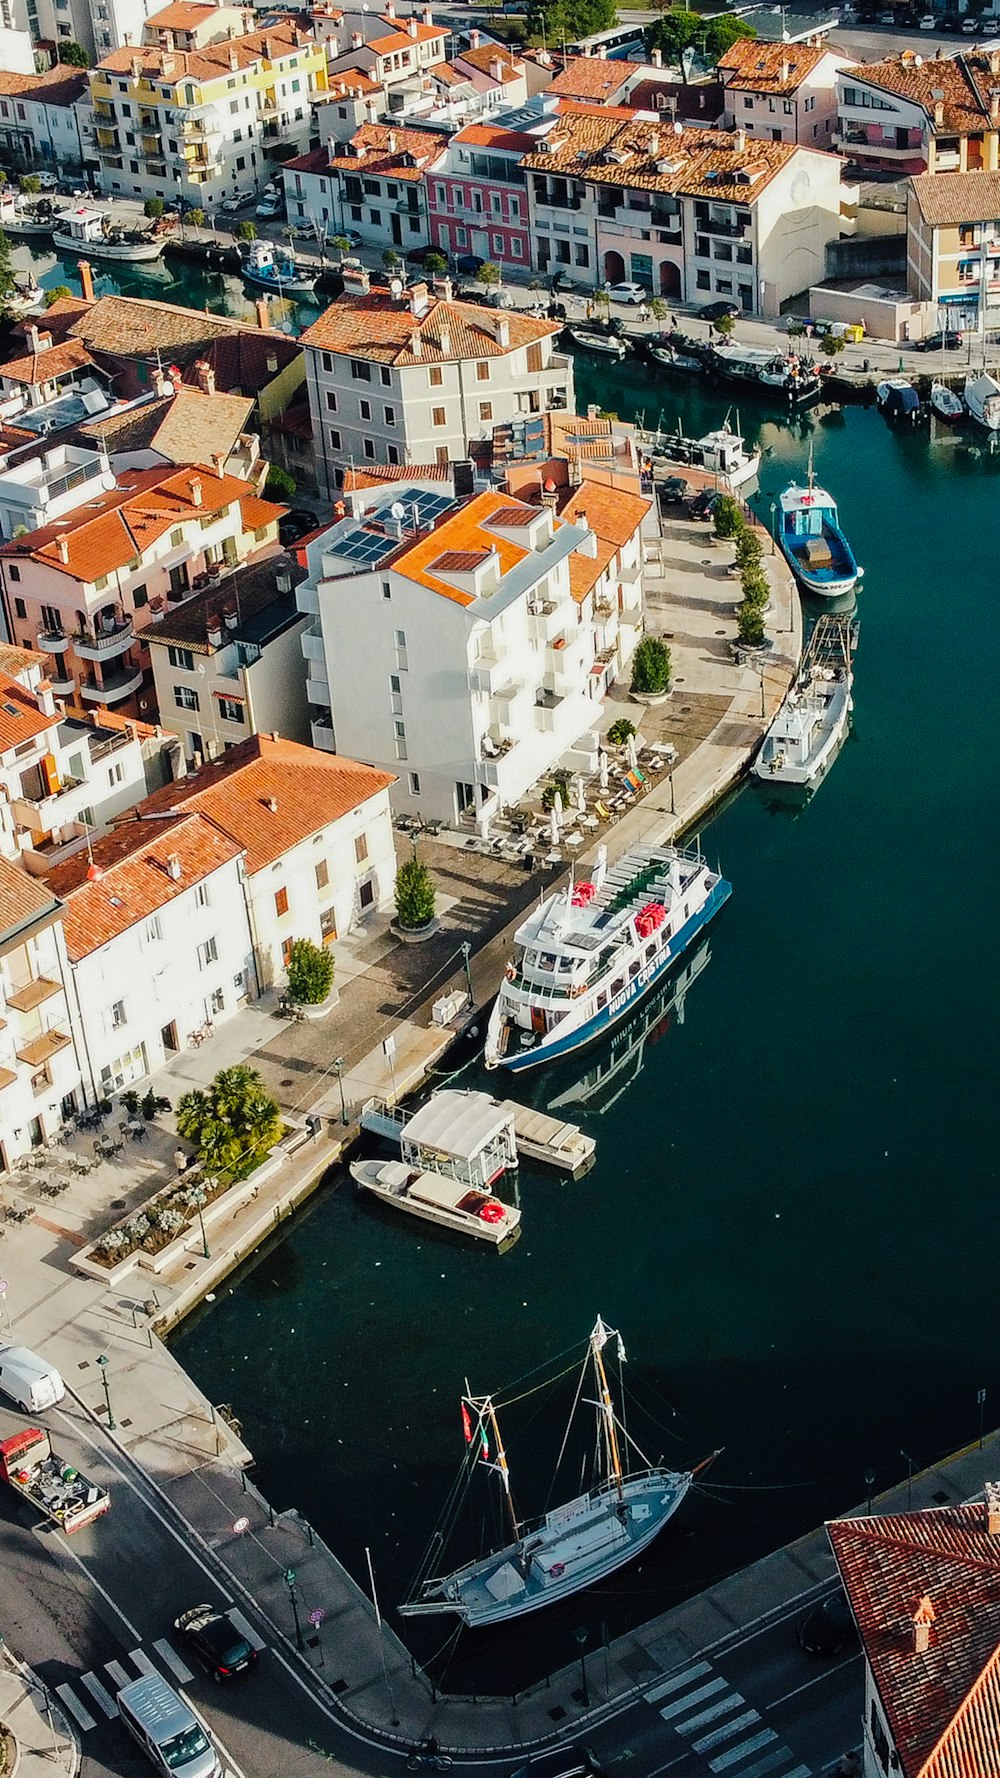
pixel 574 1545
pixel 982 398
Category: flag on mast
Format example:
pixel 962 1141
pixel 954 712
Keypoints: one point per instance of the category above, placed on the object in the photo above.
pixel 466 1424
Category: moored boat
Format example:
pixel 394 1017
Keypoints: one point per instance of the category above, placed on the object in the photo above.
pixel 786 375
pixel 680 363
pixel 438 1197
pixel 607 345
pixel 92 232
pixel 812 542
pixel 982 398
pixel 722 452
pixel 270 269
pixel 812 721
pixel 585 957
pixel 945 403
pixel 898 399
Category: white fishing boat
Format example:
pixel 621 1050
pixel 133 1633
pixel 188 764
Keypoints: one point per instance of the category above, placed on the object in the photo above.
pixel 588 953
pixel 681 363
pixel 270 269
pixel 439 1198
pixel 770 370
pixel 812 540
pixel 606 345
pixel 93 234
pixel 722 452
pixel 945 403
pixel 813 719
pixel 982 398
pixel 572 1547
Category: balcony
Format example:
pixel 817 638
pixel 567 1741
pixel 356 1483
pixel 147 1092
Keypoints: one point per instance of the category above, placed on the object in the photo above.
pixel 729 231
pixel 7 1078
pixel 322 733
pixel 52 641
pixel 312 644
pixel 103 644
pixel 116 686
pixel 547 705
pixel 63 683
pixel 554 203
pixel 317 690
pixel 41 1049
pixel 33 994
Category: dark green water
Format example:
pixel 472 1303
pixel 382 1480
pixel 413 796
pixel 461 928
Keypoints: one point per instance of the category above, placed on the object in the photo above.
pixel 794 1216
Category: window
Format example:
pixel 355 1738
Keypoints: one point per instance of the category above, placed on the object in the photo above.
pixel 365 409
pixel 360 371
pixel 286 951
pixel 218 1000
pixel 14 571
pixel 328 925
pixel 702 281
pixel 20 608
pixel 231 709
pixel 322 874
pixel 438 416
pixel 154 931
pixel 392 453
pixel 748 102
pixel 386 590
pixel 390 415
pixel 376 218
pixel 413 783
pixel 482 371
pixel 485 410
pixel 361 848
pixel 201 896
pixel 334 439
pixel 176 537
pixel 789 108
pixel 185 697
pixel 327 361
pixel 281 902
pixel 369 449
pixel 118 1014
pixel 366 894
pixel 385 374
pixel 181 657
pixel 498 244
pixel 399 728
pixel 116 775
pixel 331 401
pixel 208 953
pixel 140 597
pixel 435 376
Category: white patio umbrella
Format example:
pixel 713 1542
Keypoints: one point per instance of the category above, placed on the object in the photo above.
pixel 554 823
pixel 603 769
pixel 633 756
pixel 581 799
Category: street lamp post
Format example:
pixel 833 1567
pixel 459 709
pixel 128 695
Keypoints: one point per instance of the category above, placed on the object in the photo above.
pixel 580 1636
pixel 910 1467
pixel 466 956
pixel 338 1068
pixel 774 509
pixel 198 1200
pixel 103 1362
pixel 869 1484
pixel 980 1399
pixel 290 1579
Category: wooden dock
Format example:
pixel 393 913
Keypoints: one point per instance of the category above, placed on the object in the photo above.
pixel 539 1137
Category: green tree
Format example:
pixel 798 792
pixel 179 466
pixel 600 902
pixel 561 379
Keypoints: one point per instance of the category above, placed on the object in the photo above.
pixel 7 279
pixel 490 275
pixel 153 208
pixel 56 294
pixel 341 243
pixel 245 231
pixel 280 485
pixel 391 259
pixel 620 730
pixel 750 625
pixel 231 1125
pixel 30 183
pixel 726 325
pixel 434 264
pixel 415 894
pixel 195 218
pixel 831 345
pixel 73 54
pixel 678 30
pixel 756 587
pixel 658 309
pixel 651 666
pixel 748 550
pixel 556 20
pixel 796 328
pixel 309 971
pixel 727 517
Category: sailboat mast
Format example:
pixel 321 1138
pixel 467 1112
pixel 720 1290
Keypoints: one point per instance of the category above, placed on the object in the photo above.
pixel 607 1406
pixel 489 1411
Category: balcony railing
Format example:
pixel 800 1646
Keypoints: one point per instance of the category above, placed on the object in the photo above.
pixel 41 1049
pixel 33 994
pixel 114 687
pixel 104 644
pixel 52 641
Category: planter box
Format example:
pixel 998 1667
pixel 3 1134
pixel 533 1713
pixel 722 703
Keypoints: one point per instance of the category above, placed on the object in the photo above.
pixel 415 935
pixel 651 698
pixel 321 1008
pixel 188 1239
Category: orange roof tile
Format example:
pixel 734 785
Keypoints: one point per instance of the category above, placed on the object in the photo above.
pixel 311 790
pixel 586 571
pixel 45 366
pixel 379 473
pixel 487 55
pixel 963 81
pixel 379 326
pixel 23 899
pixel 181 15
pixel 379 148
pixel 493 135
pixel 640 154
pixel 770 67
pixel 257 512
pixel 591 77
pixel 135 879
pixel 393 40
pixel 20 717
pixel 465 533
pixel 612 515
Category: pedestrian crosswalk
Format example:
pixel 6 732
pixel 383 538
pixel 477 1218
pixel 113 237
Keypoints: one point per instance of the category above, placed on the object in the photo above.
pixel 720 1725
pixel 93 1696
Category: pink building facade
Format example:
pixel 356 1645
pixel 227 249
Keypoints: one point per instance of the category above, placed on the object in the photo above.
pixel 477 201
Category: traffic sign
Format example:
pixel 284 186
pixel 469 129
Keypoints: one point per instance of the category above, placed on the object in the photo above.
pixel 241 1525
pixel 316 1616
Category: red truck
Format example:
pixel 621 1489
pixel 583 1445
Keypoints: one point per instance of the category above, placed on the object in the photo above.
pixel 47 1482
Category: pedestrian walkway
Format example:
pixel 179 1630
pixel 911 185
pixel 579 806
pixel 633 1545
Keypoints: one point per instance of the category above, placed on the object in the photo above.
pixel 90 1698
pixel 716 1721
pixel 44 1743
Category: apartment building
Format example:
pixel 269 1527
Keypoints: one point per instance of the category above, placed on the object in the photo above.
pixel 910 114
pixel 39 1072
pixel 228 663
pixel 316 832
pixel 689 213
pixel 205 123
pixel 416 377
pixel 37 487
pixel 45 371
pixel 351 99
pixel 476 194
pixel 83 588
pixel 157 943
pixel 374 185
pixel 383 46
pixel 953 247
pixel 782 92
pixel 495 74
pixel 452 647
pixel 40 119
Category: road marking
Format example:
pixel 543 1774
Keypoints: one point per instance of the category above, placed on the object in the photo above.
pixel 768 1763
pixel 173 1661
pixel 661 1689
pixel 135 1634
pixel 804 1687
pixel 799 1772
pixel 83 1717
pixel 103 1700
pixel 246 1629
pixel 716 1738
pixel 724 1760
pixel 118 1673
pixel 679 1705
pixel 732 1702
pixel 143 1662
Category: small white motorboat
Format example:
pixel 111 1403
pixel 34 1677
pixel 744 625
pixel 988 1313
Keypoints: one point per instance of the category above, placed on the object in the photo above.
pixel 945 403
pixel 982 398
pixel 607 345
pixel 438 1197
pixel 95 235
pixel 812 721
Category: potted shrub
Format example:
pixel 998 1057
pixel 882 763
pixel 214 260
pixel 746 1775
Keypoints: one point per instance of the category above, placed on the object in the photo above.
pixel 233 1124
pixel 620 731
pixel 750 625
pixel 310 977
pixel 415 898
pixel 756 590
pixel 748 551
pixel 727 518
pixel 651 671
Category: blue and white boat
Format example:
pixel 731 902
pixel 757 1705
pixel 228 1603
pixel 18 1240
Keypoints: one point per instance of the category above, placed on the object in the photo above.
pixel 270 269
pixel 588 953
pixel 812 542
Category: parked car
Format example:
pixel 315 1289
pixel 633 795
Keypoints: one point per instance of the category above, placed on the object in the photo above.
pixel 928 22
pixel 297 522
pixel 233 206
pixel 469 264
pixel 470 293
pixel 213 1637
pixel 353 239
pixel 628 293
pixel 971 25
pixel 269 207
pixel 417 255
pixel 937 342
pixel 828 1627
pixel 703 505
pixel 47 181
pixel 674 487
pixel 715 311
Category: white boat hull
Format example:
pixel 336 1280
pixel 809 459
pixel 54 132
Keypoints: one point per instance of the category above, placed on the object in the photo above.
pixel 370 1175
pixel 126 252
pixel 572 1548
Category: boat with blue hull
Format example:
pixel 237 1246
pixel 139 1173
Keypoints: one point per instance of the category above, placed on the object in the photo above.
pixel 269 268
pixel 812 541
pixel 590 952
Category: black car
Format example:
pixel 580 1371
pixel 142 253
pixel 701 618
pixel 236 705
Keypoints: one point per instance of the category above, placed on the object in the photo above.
pixel 715 311
pixel 213 1637
pixel 571 1761
pixel 296 523
pixel 674 488
pixel 934 342
pixel 469 264
pixel 828 1627
pixel 470 293
pixel 703 505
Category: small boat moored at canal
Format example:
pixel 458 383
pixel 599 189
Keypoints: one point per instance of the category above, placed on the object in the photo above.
pixel 93 233
pixel 439 1198
pixel 270 269
pixel 679 363
pixel 812 721
pixel 606 345
pixel 572 1547
pixel 585 957
pixel 898 399
pixel 945 403
pixel 982 398
pixel 787 376
pixel 722 452
pixel 812 542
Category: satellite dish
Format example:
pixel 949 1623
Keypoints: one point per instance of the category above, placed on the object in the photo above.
pixel 678 129
pixel 398 510
pixel 396 286
pixel 918 61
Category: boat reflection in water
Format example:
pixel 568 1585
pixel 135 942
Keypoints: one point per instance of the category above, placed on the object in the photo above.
pixel 791 799
pixel 617 1062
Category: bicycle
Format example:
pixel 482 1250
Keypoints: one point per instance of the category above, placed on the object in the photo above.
pixel 424 1757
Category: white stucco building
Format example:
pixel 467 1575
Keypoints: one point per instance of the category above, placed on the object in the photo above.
pixel 782 92
pixel 39 1072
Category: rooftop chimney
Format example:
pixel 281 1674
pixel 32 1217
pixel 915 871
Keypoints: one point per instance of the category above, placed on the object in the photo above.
pixel 739 140
pixel 357 39
pixel 263 317
pixel 503 331
pixel 205 376
pixel 446 288
pixel 653 143
pixel 37 342
pixel 390 141
pixel 496 68
pixel 234 60
pixel 994 105
pixel 419 298
pixel 416 344
pixel 136 64
pixel 219 463
pixel 474 39
pixel 657 58
pixel 428 16
pixel 922 1620
pixel 444 342
pixel 786 68
pixel 992 1492
pixel 412 27
pixel 86 279
pixel 62 545
pixel 213 630
pixel 46 698
pixel 938 111
pixel 174 867
pixel 995 61
pixel 230 617
pixel 390 11
pixel 271 802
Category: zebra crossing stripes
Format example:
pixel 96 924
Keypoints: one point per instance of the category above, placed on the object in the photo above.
pixel 720 1726
pixel 117 1673
pixel 245 1628
pixel 727 1731
pixel 723 1761
pixel 81 1717
pixel 674 1683
pixel 142 1661
pixel 101 1697
pixel 173 1661
pixel 681 1705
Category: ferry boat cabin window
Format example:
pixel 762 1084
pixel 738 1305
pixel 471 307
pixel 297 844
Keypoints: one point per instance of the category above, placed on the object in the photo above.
pixel 616 987
pixel 634 968
pixel 602 1001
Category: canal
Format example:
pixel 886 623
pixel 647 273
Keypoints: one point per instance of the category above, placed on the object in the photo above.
pixel 794 1214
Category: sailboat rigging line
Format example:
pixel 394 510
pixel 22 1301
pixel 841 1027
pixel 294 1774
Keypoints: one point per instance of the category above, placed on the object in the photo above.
pixel 510 1401
pixel 569 1424
pixel 631 1441
pixel 445 1521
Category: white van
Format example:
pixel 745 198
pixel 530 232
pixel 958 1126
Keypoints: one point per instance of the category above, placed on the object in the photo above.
pixel 29 1380
pixel 167 1730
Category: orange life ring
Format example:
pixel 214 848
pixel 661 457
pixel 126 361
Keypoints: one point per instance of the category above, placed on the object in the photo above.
pixel 557 1569
pixel 492 1212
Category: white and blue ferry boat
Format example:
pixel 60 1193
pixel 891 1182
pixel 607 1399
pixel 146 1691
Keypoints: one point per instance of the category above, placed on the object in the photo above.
pixel 812 542
pixel 591 951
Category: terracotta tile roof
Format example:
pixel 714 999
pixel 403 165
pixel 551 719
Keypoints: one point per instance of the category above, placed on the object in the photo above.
pixel 124 327
pixel 757 67
pixel 613 515
pixel 380 473
pixel 460 561
pixel 483 59
pixel 181 15
pixel 23 899
pixel 136 879
pixel 60 85
pixel 195 425
pixel 466 532
pixel 347 83
pixel 380 327
pixel 213 61
pixel 644 156
pixel 393 40
pixel 311 789
pixel 20 717
pixel 591 77
pixel 586 571
pixel 57 321
pixel 399 153
pixel 257 513
pixel 250 591
pixel 702 101
pixel 43 367
pixel 15 660
pixel 963 81
pixel 446 75
pixel 493 135
pixel 962 197
pixel 513 516
pixel 942 1705
pixel 14 86
pixel 315 160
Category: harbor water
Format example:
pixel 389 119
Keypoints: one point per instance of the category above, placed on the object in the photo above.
pixel 794 1214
